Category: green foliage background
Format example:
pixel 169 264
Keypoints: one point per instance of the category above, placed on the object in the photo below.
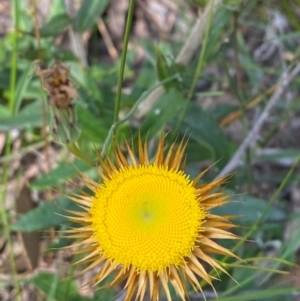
pixel 21 98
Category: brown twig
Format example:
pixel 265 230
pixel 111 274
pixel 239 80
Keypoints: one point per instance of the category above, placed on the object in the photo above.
pixel 249 105
pixel 252 137
pixel 107 40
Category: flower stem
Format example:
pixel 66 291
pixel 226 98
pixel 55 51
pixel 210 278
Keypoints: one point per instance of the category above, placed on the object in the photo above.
pixel 123 61
pixel 115 125
pixel 75 150
pixel 198 71
pixel 274 197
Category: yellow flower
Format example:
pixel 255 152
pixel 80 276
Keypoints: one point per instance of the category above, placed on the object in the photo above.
pixel 150 224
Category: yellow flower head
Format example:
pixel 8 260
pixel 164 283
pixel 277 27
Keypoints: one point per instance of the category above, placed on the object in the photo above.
pixel 150 223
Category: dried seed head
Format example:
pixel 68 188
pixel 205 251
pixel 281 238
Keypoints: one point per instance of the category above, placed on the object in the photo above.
pixel 64 124
pixel 58 84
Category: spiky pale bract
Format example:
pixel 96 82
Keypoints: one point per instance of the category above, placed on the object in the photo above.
pixel 149 224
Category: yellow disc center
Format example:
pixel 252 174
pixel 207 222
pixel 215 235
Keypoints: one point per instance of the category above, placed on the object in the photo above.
pixel 147 217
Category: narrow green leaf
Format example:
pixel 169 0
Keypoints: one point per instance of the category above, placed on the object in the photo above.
pixel 162 113
pixel 45 216
pixel 249 209
pixel 162 68
pixel 203 129
pixel 60 289
pixel 22 84
pixel 261 294
pixel 92 128
pixel 197 153
pixel 89 12
pixel 55 25
pixel 281 155
pixel 60 174
pixel 30 116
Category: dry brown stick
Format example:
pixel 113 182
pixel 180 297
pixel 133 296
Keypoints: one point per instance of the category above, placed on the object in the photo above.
pixel 107 40
pixel 185 55
pixel 194 40
pixel 252 136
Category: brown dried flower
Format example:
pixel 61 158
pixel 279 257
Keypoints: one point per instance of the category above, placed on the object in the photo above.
pixel 63 123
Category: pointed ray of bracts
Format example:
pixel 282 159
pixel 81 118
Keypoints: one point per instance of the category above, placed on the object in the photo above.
pixel 78 213
pixel 154 286
pixel 137 281
pixel 131 154
pixel 84 243
pixel 64 124
pixel 131 284
pixel 106 170
pixel 143 153
pixel 91 184
pixel 84 229
pixel 106 270
pixel 151 283
pixel 155 293
pixel 210 199
pixel 194 282
pixel 120 158
pixel 213 247
pixel 164 281
pixel 211 222
pixel 142 286
pixel 159 156
pixel 94 254
pixel 121 276
pixel 177 282
pixel 197 178
pixel 97 262
pixel 212 232
pixel 131 288
pixel 84 201
pixel 198 268
pixel 215 265
pixel 175 160
pixel 168 156
pixel 180 151
pixel 204 189
pixel 111 165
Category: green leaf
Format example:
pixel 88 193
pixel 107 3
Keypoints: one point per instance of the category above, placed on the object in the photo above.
pixel 22 85
pixel 163 112
pixel 204 130
pixel 89 12
pixel 197 153
pixel 92 128
pixel 30 116
pixel 59 289
pixel 261 294
pixel 278 155
pixel 4 111
pixel 4 77
pixel 249 209
pixel 60 174
pixel 162 68
pixel 55 25
pixel 45 216
pixel 221 19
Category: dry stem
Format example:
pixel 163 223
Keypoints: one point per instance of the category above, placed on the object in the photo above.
pixel 185 55
pixel 253 135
